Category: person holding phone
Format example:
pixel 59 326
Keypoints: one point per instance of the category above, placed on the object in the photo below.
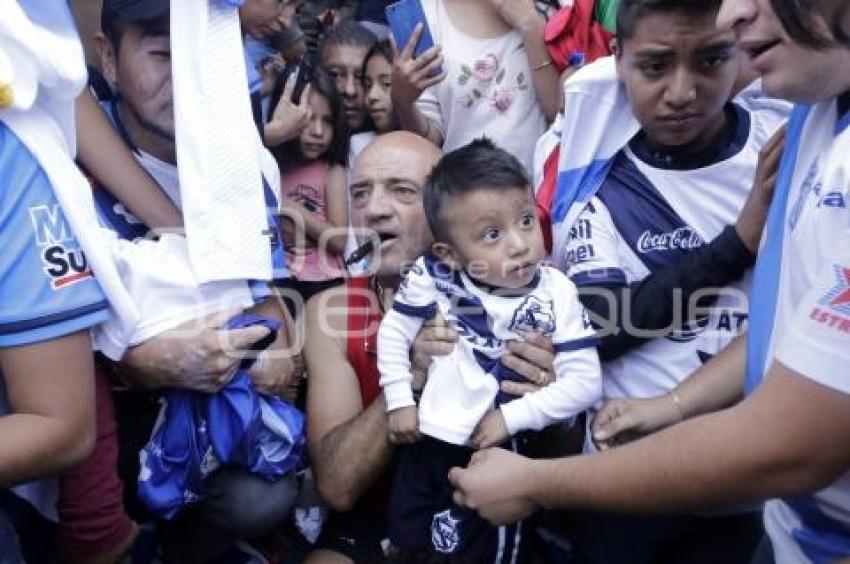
pixel 488 74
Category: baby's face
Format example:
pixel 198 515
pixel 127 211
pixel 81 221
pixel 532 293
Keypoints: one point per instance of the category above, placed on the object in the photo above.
pixel 495 236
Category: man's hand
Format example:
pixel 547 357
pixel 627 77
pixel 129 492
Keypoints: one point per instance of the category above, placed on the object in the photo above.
pixel 288 118
pixel 624 419
pixel 412 75
pixel 754 213
pixel 494 484
pixel 532 358
pixel 490 431
pixel 199 355
pixel 436 338
pixel 273 370
pixel 403 425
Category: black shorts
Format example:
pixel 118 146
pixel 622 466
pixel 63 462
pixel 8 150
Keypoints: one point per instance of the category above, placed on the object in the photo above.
pixel 424 519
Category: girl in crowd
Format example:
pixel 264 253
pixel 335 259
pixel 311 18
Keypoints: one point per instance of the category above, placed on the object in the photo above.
pixel 313 188
pixel 377 83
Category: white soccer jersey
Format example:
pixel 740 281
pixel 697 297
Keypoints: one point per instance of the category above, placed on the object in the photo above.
pixel 646 218
pixel 463 385
pixel 811 332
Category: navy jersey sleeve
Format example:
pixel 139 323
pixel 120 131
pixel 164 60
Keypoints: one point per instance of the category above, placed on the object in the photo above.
pixel 47 289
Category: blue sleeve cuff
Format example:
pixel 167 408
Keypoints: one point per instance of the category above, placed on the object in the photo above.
pixel 44 329
pixel 421 312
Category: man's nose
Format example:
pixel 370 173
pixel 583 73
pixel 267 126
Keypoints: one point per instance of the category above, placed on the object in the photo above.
pixel 350 85
pixel 682 89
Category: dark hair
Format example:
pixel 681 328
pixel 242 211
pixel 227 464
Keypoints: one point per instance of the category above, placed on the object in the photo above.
pixel 798 17
pixel 382 48
pixel 630 12
pixel 153 27
pixel 477 166
pixel 288 154
pixel 347 33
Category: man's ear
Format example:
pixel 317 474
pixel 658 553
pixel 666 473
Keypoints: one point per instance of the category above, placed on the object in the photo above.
pixel 108 57
pixel 447 254
pixel 617 48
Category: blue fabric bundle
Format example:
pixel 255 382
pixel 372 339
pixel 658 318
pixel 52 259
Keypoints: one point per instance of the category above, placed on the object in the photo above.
pixel 197 433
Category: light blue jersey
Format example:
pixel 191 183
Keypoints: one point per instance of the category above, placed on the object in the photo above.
pixel 47 289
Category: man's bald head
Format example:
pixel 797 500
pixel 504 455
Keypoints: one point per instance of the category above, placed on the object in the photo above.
pixel 386 198
pixel 399 145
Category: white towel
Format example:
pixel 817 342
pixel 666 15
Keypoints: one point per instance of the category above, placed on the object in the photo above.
pixel 219 152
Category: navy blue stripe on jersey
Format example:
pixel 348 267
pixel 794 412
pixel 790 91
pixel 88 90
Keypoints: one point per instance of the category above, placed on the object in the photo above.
pixel 32 324
pixel 576 344
pixel 495 368
pixel 465 307
pixel 599 276
pixel 647 223
pixel 842 106
pixel 421 312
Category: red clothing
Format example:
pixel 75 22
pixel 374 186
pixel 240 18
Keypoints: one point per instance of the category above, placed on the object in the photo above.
pixel 364 317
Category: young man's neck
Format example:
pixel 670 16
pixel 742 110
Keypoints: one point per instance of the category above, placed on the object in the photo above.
pixel 152 142
pixel 713 136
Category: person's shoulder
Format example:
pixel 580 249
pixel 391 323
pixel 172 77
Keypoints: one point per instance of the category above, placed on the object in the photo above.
pixel 554 282
pixel 327 313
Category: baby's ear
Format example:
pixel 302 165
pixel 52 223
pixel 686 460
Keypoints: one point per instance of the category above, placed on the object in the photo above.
pixel 446 253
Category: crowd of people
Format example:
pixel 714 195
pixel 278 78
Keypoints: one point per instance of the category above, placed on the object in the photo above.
pixel 569 284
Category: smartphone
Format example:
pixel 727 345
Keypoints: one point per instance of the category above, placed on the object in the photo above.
pixel 403 17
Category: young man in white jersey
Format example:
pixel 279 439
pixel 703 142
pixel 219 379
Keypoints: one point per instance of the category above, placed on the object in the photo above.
pixel 666 233
pixel 791 436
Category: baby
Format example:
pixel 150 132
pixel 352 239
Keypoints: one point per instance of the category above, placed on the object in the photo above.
pixel 485 276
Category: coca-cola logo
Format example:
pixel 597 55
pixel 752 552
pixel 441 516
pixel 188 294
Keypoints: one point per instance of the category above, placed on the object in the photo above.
pixel 683 239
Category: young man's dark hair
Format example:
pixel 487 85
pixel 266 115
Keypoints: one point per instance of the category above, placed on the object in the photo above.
pixel 151 16
pixel 630 11
pixel 479 165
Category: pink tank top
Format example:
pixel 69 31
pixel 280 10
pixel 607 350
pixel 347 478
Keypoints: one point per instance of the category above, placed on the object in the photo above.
pixel 306 185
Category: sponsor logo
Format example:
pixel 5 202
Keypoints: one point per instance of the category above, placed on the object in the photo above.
pixel 681 239
pixel 834 306
pixel 534 315
pixel 63 260
pixel 445 535
pixel 833 200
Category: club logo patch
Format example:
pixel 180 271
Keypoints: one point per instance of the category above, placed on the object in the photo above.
pixel 63 261
pixel 534 315
pixel 445 535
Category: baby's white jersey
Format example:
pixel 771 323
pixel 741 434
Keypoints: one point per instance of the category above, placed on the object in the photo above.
pixel 463 385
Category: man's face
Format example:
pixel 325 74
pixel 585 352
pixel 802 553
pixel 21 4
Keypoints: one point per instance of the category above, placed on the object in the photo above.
pixel 678 70
pixel 141 72
pixel 345 64
pixel 386 197
pixel 788 69
pixel 262 19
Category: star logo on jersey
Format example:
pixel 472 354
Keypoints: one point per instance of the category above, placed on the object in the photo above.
pixel 62 258
pixel 445 535
pixel 838 297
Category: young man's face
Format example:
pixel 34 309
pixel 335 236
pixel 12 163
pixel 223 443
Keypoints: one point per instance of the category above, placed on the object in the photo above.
pixel 141 72
pixel 495 236
pixel 345 64
pixel 678 70
pixel 788 69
